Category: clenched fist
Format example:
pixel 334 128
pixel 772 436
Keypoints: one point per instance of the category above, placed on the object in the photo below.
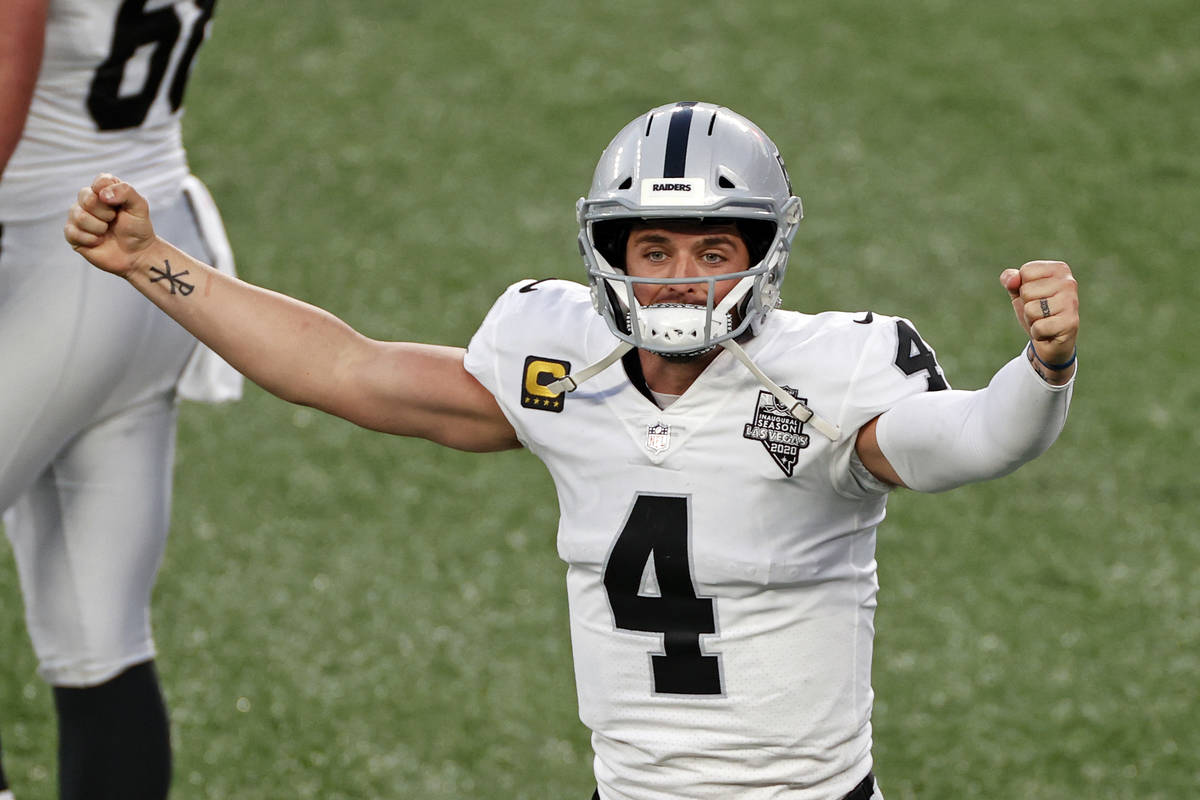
pixel 109 225
pixel 1045 298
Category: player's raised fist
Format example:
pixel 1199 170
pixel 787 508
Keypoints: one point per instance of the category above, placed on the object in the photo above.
pixel 109 225
pixel 1045 298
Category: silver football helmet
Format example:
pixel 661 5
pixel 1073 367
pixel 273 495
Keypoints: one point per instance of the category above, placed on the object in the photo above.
pixel 697 162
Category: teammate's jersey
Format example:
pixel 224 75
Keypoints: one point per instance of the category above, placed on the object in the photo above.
pixel 721 555
pixel 109 92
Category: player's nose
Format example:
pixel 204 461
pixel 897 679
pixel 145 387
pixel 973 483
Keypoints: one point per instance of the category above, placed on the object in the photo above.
pixel 687 266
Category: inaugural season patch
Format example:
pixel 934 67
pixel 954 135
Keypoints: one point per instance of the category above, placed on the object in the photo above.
pixel 540 371
pixel 782 434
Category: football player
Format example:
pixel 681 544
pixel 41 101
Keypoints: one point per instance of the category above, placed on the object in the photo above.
pixel 721 466
pixel 90 374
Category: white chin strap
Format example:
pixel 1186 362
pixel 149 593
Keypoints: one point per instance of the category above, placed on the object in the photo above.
pixel 794 407
pixel 679 330
pixel 570 383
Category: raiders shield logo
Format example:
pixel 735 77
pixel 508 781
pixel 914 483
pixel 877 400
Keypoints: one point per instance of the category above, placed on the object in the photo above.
pixel 782 434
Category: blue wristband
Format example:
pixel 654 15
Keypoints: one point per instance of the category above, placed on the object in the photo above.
pixel 1055 367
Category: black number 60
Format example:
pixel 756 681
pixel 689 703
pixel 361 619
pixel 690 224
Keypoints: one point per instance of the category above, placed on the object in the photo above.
pixel 137 28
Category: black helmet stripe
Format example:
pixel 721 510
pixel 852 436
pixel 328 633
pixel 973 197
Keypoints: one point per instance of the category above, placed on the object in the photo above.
pixel 677 140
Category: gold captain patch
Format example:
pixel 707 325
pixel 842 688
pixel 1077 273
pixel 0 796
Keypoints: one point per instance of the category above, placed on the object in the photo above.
pixel 540 371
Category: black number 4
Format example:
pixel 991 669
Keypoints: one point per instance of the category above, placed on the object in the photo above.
pixel 913 356
pixel 657 527
pixel 135 28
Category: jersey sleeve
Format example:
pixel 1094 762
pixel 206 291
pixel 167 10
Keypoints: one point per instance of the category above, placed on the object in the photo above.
pixel 485 354
pixel 894 362
pixel 481 358
pixel 531 319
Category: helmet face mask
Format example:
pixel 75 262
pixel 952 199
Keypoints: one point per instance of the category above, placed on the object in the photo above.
pixel 697 163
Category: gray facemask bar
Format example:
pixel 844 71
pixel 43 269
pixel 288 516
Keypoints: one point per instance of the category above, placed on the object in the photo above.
pixel 766 275
pixel 721 311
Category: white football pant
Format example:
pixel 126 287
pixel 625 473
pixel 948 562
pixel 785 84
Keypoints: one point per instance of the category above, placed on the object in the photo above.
pixel 88 369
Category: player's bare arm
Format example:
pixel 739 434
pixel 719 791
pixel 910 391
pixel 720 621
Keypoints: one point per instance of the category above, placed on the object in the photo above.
pixel 292 349
pixel 22 27
pixel 1045 299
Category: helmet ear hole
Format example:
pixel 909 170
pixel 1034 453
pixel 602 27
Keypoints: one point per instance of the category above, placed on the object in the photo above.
pixel 627 183
pixel 725 183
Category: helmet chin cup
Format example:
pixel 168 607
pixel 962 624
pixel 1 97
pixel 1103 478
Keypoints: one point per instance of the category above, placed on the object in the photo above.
pixel 680 330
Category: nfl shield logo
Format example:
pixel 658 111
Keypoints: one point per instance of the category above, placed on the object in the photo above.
pixel 658 438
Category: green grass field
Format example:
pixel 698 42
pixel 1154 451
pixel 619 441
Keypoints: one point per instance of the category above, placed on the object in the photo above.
pixel 347 615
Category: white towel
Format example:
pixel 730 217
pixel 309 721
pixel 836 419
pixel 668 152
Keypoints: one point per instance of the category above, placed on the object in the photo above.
pixel 207 378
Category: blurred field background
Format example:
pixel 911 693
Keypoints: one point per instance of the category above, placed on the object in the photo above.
pixel 347 615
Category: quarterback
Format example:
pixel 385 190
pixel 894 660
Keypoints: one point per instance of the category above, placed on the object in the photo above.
pixel 721 465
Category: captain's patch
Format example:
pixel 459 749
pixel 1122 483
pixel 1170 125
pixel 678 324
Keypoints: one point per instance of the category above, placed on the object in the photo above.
pixel 782 434
pixel 540 371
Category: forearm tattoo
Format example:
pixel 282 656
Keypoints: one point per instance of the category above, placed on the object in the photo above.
pixel 178 284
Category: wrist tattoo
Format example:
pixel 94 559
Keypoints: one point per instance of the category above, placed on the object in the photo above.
pixel 1042 368
pixel 1034 362
pixel 175 279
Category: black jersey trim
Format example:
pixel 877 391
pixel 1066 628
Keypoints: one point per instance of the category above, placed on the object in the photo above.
pixel 633 370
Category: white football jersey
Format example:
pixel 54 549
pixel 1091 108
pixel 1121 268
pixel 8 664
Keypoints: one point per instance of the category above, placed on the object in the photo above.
pixel 721 555
pixel 110 92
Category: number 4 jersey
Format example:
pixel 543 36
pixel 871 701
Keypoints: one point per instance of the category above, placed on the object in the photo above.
pixel 110 92
pixel 721 554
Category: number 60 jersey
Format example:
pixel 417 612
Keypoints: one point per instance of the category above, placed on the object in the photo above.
pixel 110 92
pixel 721 554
